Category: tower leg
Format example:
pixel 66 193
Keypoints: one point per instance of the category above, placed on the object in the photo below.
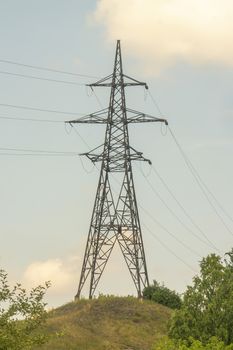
pixel 129 236
pixel 101 238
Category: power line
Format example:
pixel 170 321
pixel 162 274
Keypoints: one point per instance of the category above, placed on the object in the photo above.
pixel 213 196
pixel 7 117
pixel 165 229
pixel 168 249
pixel 36 154
pixel 48 69
pixel 40 78
pixel 202 181
pixel 40 109
pixel 80 136
pixel 184 210
pixel 170 234
pixel 174 214
pixel 196 178
pixel 162 226
pixel 97 98
pixel 38 151
pixel 155 103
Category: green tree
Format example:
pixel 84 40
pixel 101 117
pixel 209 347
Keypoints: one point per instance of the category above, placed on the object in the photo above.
pixel 207 308
pixel 162 295
pixel 212 344
pixel 21 315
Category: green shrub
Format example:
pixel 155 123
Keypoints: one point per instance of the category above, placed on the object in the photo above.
pixel 162 295
pixel 212 344
pixel 21 316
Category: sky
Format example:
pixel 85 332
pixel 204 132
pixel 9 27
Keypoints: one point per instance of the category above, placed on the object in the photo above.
pixel 184 51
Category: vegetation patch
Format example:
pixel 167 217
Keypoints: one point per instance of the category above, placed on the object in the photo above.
pixel 107 323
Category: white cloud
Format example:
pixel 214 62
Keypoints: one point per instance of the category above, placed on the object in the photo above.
pixel 163 32
pixel 63 274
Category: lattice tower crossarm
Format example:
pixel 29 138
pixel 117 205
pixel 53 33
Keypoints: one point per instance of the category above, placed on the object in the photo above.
pixel 115 215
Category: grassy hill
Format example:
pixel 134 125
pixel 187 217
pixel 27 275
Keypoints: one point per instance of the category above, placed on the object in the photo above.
pixel 107 323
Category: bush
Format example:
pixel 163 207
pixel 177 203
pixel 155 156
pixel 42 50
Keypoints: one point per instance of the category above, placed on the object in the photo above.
pixel 212 344
pixel 21 316
pixel 162 295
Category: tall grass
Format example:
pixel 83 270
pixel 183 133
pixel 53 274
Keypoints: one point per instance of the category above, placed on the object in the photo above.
pixel 107 323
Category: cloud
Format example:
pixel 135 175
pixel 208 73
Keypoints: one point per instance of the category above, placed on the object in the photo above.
pixel 63 274
pixel 163 32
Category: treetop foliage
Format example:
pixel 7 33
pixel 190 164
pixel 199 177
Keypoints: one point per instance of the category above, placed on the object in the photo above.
pixel 207 309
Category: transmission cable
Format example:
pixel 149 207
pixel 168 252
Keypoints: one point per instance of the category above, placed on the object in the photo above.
pixel 213 196
pixel 203 187
pixel 170 233
pixel 162 243
pixel 167 248
pixel 37 154
pixel 184 210
pixel 162 226
pixel 40 109
pixel 173 196
pixel 98 100
pixel 40 78
pixel 80 136
pixel 37 151
pixel 174 214
pixel 48 69
pixel 196 178
pixel 155 103
pixel 8 117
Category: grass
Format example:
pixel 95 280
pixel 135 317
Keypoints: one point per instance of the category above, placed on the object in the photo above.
pixel 107 323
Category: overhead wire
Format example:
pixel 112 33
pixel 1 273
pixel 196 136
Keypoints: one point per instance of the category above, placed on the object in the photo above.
pixel 197 179
pixel 48 69
pixel 92 89
pixel 80 136
pixel 73 128
pixel 166 230
pixel 37 154
pixel 168 249
pixel 184 210
pixel 84 168
pixel 8 117
pixel 40 109
pixel 174 214
pixel 155 103
pixel 213 196
pixel 40 78
pixel 173 196
pixel 37 151
pixel 170 233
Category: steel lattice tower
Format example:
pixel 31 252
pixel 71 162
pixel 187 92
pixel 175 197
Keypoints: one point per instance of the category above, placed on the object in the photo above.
pixel 115 215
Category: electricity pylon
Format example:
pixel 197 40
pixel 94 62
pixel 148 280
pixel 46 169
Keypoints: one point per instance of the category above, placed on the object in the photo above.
pixel 115 214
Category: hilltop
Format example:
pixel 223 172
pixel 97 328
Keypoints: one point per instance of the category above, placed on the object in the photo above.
pixel 107 323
